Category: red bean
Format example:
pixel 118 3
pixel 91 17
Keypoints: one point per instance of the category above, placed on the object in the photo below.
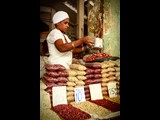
pixel 68 112
pixel 107 104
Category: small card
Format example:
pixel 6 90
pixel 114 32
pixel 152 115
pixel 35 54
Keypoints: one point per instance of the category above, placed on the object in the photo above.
pixel 112 89
pixel 79 94
pixel 59 95
pixel 95 91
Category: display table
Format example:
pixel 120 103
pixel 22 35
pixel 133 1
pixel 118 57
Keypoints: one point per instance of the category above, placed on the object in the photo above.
pixel 47 114
pixel 86 91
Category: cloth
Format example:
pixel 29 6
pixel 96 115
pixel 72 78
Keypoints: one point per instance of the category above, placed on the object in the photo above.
pixel 55 56
pixel 59 16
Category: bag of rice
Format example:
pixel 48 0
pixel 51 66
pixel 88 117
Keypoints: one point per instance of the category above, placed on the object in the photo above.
pixel 79 83
pixel 105 75
pixel 70 93
pixel 81 77
pixel 81 72
pixel 71 72
pixel 105 79
pixel 69 88
pixel 77 67
pixel 72 79
pixel 103 84
pixel 70 83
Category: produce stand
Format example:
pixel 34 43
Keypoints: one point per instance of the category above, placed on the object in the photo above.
pixel 98 103
pixel 47 113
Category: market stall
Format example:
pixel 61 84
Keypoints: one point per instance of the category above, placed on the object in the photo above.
pixel 90 89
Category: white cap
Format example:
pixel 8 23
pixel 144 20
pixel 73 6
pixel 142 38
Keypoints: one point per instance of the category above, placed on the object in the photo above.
pixel 59 16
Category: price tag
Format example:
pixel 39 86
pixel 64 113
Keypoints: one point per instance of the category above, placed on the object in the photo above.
pixel 59 95
pixel 112 89
pixel 95 91
pixel 79 94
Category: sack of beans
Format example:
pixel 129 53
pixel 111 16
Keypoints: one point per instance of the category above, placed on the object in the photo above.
pixel 71 72
pixel 77 67
pixel 54 67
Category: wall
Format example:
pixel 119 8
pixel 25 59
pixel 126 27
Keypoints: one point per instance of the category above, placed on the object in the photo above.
pixel 104 20
pixel 111 27
pixel 46 14
pixel 95 12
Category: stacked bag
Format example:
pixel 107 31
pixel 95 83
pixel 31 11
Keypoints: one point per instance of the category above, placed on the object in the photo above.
pixel 55 75
pixel 110 73
pixel 93 76
pixel 75 79
pixel 81 76
pixel 104 73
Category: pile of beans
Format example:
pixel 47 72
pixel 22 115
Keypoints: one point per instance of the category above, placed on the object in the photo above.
pixel 68 112
pixel 107 104
pixel 92 108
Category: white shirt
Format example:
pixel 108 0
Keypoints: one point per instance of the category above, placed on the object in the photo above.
pixel 55 56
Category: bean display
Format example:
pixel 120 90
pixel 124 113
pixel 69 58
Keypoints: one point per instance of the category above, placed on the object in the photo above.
pixel 83 76
pixel 92 108
pixel 107 104
pixel 95 56
pixel 69 112
pixel 54 67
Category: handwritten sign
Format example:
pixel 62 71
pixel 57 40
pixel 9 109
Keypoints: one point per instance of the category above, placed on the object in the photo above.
pixel 95 91
pixel 59 95
pixel 79 94
pixel 112 89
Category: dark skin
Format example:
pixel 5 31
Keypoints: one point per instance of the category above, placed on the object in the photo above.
pixel 63 47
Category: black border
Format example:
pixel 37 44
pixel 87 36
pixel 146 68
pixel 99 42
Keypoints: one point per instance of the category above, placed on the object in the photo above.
pixel 20 60
pixel 139 61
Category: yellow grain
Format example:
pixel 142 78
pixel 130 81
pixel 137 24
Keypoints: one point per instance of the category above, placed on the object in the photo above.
pixel 91 108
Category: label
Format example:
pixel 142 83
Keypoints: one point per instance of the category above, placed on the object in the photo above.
pixel 79 94
pixel 59 95
pixel 95 91
pixel 112 89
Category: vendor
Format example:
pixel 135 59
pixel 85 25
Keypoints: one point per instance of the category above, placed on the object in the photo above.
pixel 60 46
